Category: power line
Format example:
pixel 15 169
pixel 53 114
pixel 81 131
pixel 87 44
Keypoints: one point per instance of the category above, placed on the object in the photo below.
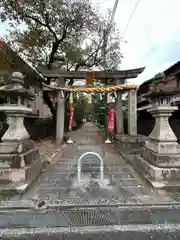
pixel 130 18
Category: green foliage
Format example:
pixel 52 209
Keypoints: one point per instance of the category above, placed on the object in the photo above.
pixel 80 110
pixel 100 109
pixel 54 28
pixel 66 117
pixel 3 79
pixel 79 113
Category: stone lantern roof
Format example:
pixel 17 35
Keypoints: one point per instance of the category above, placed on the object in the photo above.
pixel 16 87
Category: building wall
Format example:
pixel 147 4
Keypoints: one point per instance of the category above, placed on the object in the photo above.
pixel 38 105
pixel 144 87
pixel 172 83
pixel 178 80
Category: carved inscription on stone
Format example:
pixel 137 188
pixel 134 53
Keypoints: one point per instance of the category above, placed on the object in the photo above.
pixel 132 113
pixel 168 132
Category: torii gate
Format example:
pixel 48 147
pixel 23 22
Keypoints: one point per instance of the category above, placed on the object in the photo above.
pixel 113 77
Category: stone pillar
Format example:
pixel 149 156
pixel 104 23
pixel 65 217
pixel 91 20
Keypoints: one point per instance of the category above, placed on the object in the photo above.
pixel 132 113
pixel 60 113
pixel 119 112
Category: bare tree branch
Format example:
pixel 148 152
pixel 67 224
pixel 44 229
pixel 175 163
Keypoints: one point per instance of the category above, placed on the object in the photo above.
pixel 94 53
pixel 46 25
pixel 55 47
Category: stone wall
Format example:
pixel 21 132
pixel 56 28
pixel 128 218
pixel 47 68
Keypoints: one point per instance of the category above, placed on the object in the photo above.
pixel 37 128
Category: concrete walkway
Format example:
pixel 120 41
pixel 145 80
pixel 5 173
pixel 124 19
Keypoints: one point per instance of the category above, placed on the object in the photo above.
pixel 121 183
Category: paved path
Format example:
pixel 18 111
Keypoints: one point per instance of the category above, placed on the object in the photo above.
pixel 121 184
pixel 55 219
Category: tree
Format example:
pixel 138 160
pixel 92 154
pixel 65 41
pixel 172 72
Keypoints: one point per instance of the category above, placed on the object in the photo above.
pixel 2 82
pixel 80 110
pixel 99 109
pixel 59 29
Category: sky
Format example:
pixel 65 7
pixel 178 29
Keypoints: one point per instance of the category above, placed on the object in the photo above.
pixel 153 35
pixel 152 38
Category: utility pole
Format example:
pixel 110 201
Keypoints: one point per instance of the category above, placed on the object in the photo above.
pixel 106 32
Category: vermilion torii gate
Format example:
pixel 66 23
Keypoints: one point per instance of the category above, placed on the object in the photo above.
pixel 107 77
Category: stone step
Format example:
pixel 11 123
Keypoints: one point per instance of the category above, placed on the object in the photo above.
pixel 123 222
pixel 128 232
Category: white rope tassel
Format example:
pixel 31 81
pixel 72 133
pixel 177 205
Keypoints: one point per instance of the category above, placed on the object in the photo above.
pixel 77 96
pixel 100 97
pixel 62 94
pixel 115 94
pixel 108 98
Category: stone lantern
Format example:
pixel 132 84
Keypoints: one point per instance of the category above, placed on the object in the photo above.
pixel 160 161
pixel 19 158
pixel 161 110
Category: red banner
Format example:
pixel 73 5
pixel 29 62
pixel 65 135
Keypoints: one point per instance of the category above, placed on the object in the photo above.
pixel 71 118
pixel 110 119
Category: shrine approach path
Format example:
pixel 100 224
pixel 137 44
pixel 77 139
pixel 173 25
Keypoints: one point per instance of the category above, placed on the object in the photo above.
pixel 122 184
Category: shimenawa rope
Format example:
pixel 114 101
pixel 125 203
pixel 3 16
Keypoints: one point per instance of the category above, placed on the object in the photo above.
pixel 122 87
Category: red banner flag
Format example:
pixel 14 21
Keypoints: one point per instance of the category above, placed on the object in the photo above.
pixel 71 117
pixel 110 119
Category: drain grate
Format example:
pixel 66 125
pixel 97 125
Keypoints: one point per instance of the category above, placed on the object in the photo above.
pixel 66 218
pixel 89 217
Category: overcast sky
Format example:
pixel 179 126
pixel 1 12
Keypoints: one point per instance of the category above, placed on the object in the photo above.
pixel 153 34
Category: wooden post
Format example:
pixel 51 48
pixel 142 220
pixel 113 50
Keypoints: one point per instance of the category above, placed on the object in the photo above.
pixel 60 113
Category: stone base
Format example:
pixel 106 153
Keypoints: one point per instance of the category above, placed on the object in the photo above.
pixel 20 164
pixel 162 160
pixel 18 180
pixel 18 153
pixel 130 143
pixel 158 177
